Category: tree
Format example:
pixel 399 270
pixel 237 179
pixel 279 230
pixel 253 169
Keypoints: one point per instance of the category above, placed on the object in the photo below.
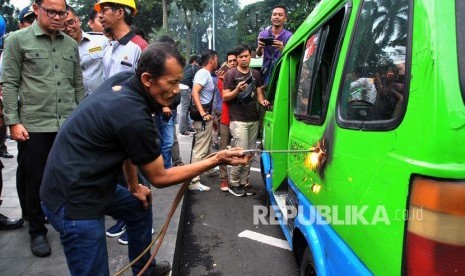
pixel 225 21
pixel 10 13
pixel 190 8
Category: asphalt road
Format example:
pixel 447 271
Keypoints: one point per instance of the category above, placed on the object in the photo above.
pixel 218 235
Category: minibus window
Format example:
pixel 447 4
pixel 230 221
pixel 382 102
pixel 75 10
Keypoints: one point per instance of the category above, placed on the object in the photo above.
pixel 271 90
pixel 306 73
pixel 460 17
pixel 373 89
pixel 316 72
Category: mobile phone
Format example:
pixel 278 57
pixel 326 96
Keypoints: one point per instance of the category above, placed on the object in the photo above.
pixel 267 40
pixel 249 80
pixel 223 69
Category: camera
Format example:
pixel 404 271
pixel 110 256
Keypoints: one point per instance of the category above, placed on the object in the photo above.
pixel 267 40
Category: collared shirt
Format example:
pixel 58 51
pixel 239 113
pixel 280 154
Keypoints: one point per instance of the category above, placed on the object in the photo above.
pixel 45 75
pixel 91 48
pixel 93 144
pixel 269 52
pixel 123 55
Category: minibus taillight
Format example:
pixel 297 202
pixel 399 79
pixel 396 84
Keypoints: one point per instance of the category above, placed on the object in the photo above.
pixel 435 242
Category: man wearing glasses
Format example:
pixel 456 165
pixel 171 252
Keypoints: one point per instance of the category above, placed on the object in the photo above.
pixel 26 17
pixel 40 68
pixel 91 46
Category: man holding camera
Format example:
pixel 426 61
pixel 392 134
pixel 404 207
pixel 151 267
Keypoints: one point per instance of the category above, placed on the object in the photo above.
pixel 271 41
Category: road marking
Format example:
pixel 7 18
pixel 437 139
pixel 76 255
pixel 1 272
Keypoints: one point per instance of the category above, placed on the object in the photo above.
pixel 251 168
pixel 264 239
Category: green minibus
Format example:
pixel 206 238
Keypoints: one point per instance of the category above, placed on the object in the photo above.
pixel 374 90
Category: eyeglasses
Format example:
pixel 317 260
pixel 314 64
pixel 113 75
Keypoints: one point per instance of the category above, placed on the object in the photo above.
pixel 52 13
pixel 70 23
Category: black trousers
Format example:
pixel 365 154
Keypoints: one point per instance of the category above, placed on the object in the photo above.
pixel 32 157
pixel 2 129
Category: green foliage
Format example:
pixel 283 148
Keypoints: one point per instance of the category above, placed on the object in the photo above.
pixel 225 26
pixel 10 13
pixel 157 33
pixel 188 9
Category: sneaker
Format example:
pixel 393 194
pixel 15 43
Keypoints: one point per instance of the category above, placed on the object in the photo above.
pixel 116 229
pixel 248 189
pixel 198 187
pixel 123 239
pixel 236 191
pixel 224 186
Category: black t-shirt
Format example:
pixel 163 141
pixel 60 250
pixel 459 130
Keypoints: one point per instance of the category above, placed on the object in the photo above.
pixel 239 111
pixel 109 126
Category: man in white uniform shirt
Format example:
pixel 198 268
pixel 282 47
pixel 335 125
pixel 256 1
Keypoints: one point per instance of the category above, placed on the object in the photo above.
pixel 91 47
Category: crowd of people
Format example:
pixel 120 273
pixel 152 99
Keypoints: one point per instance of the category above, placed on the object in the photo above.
pixel 86 107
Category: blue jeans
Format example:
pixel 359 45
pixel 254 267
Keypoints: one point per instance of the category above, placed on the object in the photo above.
pixel 84 241
pixel 166 129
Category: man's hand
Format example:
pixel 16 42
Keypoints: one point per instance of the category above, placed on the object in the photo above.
pixel 19 133
pixel 167 112
pixel 143 194
pixel 265 103
pixel 233 157
pixel 241 86
pixel 278 44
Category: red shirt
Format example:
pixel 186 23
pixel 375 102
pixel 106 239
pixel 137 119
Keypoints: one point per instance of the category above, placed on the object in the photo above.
pixel 224 106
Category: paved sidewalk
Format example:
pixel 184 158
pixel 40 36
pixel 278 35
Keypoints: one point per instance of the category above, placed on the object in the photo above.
pixel 16 257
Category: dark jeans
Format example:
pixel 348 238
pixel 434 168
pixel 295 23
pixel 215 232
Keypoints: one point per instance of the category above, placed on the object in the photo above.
pixel 32 157
pixel 3 148
pixel 185 122
pixel 84 241
pixel 175 154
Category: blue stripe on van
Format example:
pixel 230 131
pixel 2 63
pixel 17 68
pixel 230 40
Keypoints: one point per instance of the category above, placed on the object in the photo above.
pixel 331 254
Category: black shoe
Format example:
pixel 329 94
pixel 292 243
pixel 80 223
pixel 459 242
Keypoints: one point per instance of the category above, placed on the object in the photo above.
pixel 248 189
pixel 161 268
pixel 40 246
pixel 236 191
pixel 9 224
pixel 6 154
